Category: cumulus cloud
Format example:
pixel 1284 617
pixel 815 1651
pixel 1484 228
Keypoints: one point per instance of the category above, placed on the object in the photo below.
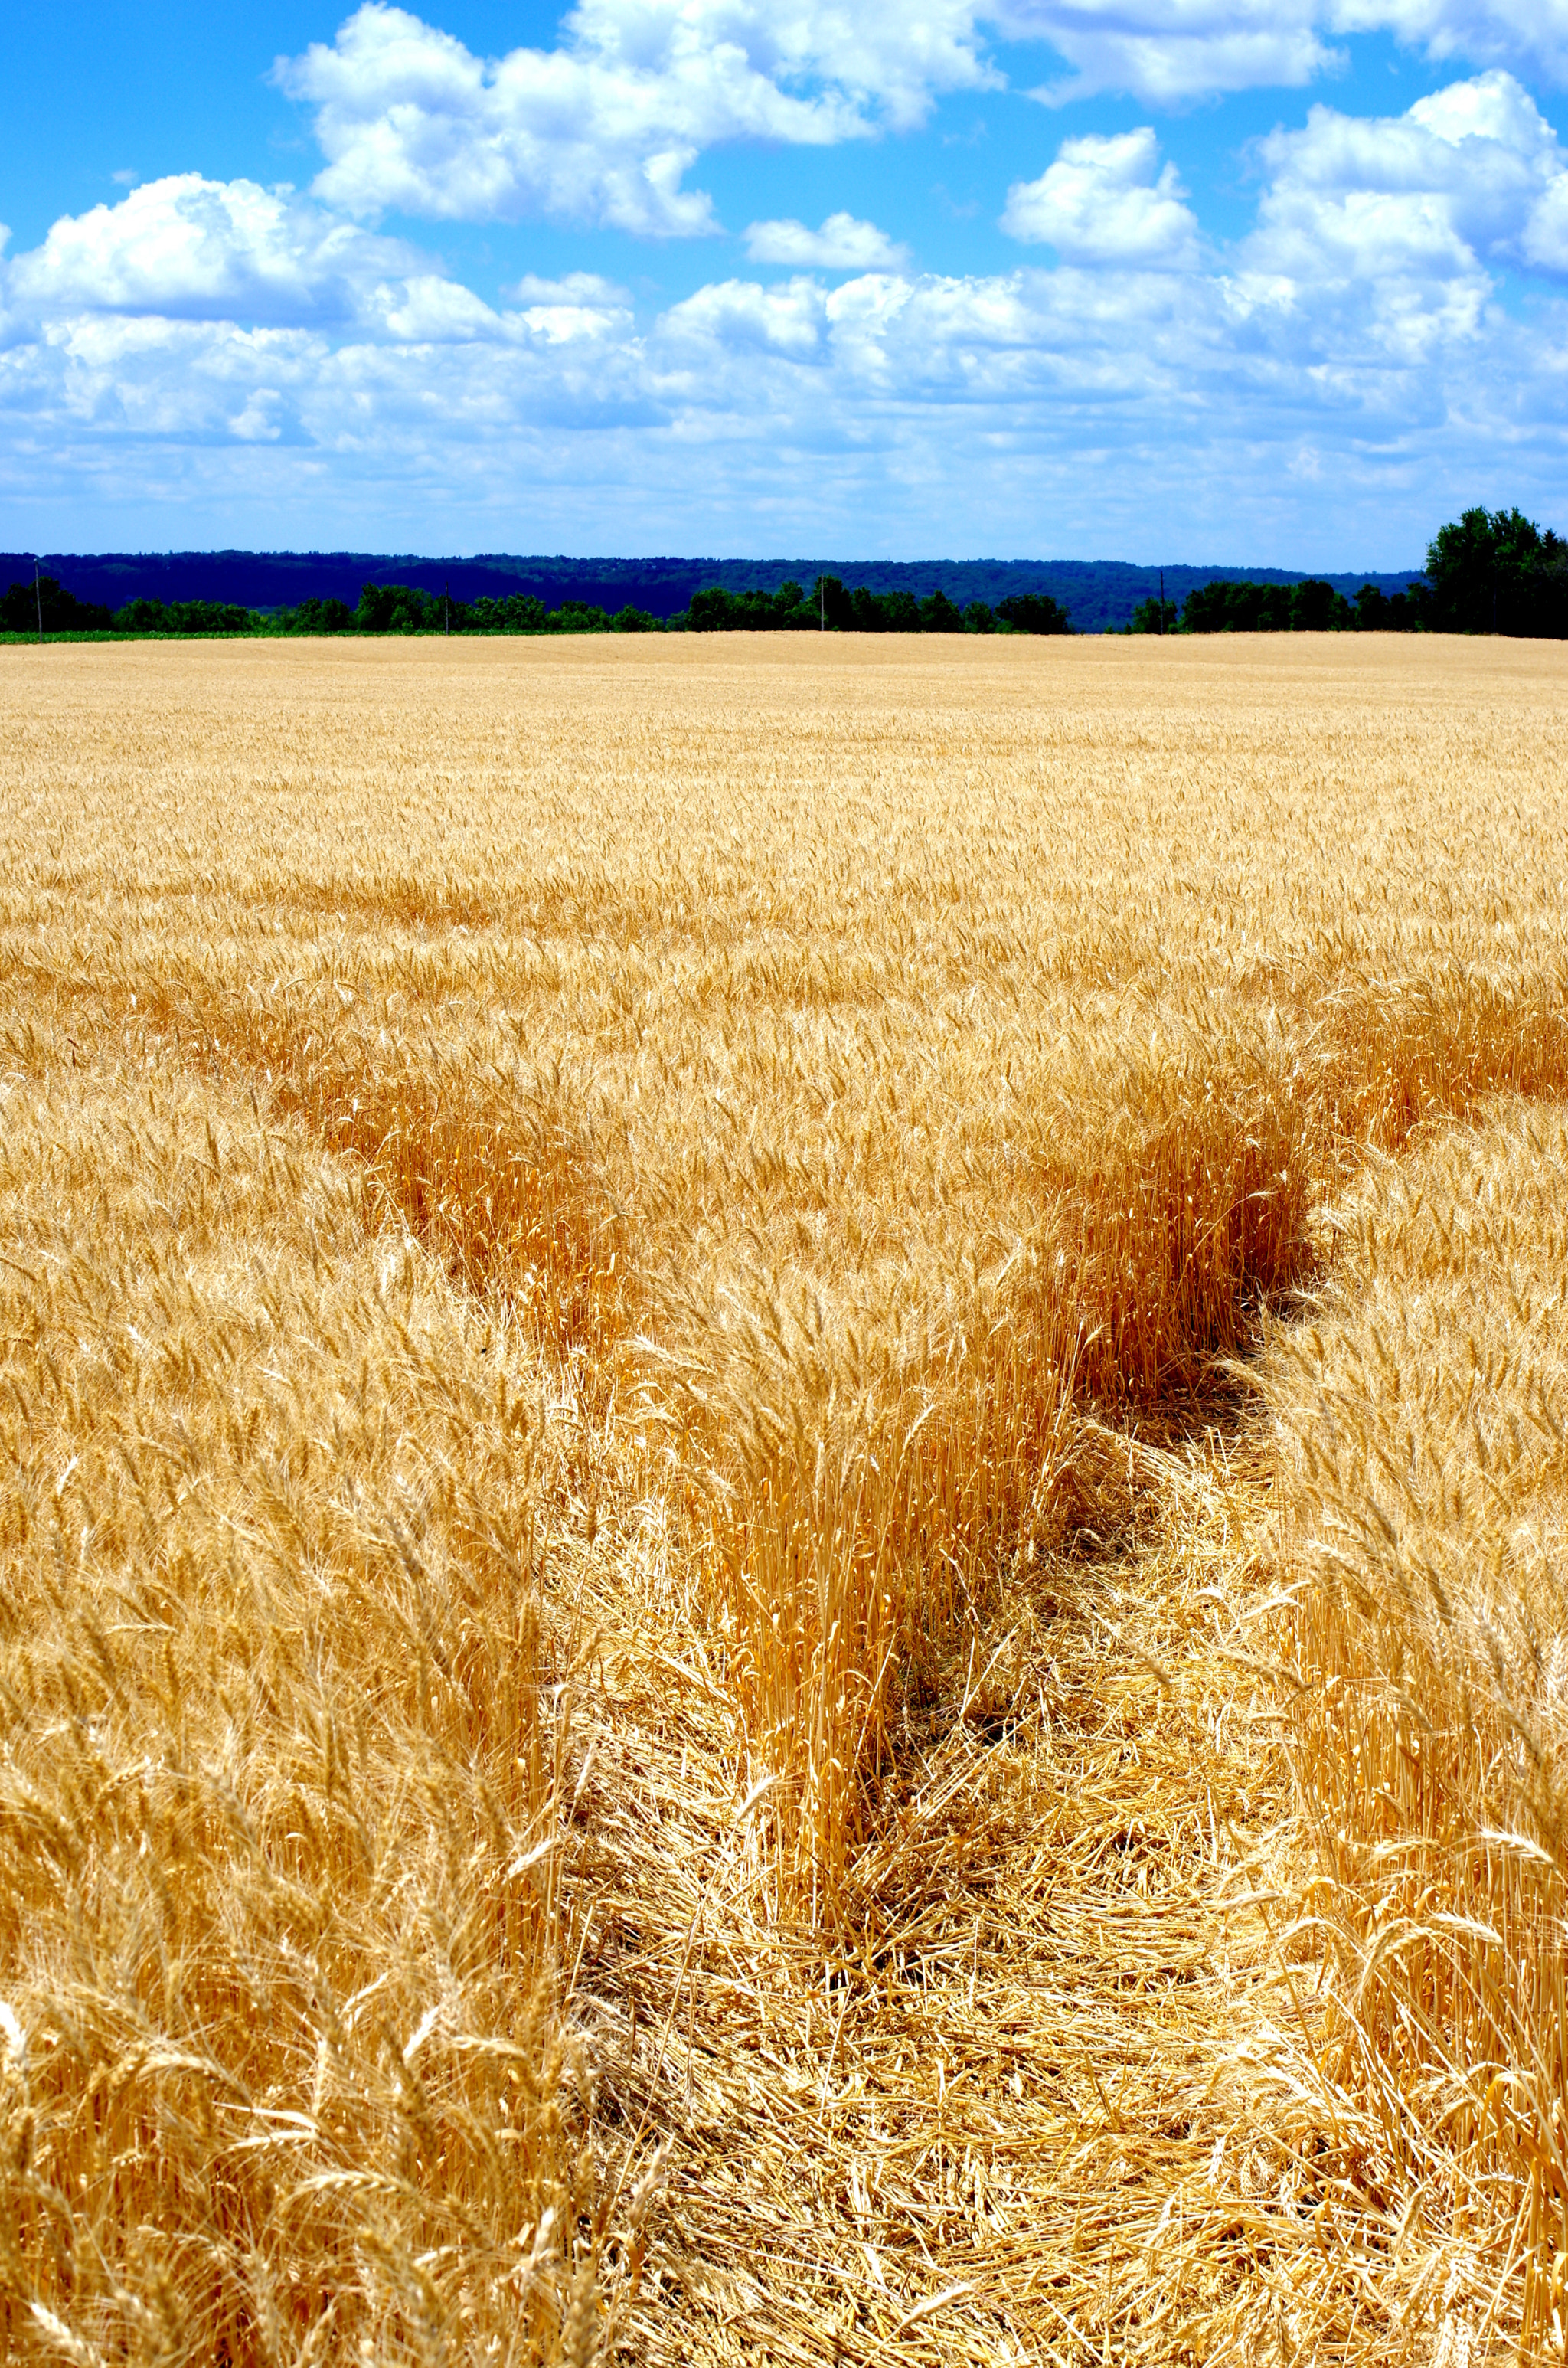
pixel 1357 331
pixel 1168 51
pixel 1469 180
pixel 196 249
pixel 1545 241
pixel 1108 201
pixel 426 309
pixel 1531 35
pixel 604 130
pixel 842 244
pixel 736 319
pixel 579 305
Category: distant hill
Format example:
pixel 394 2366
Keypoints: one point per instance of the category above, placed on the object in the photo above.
pixel 1094 592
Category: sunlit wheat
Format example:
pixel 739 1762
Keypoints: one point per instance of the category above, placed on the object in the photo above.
pixel 628 1540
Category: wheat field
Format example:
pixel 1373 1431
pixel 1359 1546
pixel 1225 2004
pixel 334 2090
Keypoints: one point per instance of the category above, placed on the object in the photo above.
pixel 782 1573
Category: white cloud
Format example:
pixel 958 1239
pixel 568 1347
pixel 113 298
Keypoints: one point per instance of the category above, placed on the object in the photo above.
pixel 1531 35
pixel 1491 107
pixel 207 250
pixel 1167 50
pixel 257 423
pixel 736 317
pixel 842 244
pixel 1545 240
pixel 1043 409
pixel 1108 201
pixel 1355 331
pixel 580 289
pixel 426 309
pixel 604 130
pixel 580 306
pixel 1469 180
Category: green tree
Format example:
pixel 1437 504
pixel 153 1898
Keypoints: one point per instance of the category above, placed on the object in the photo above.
pixel 211 616
pixel 1034 612
pixel 830 603
pixel 63 612
pixel 393 608
pixel 313 616
pixel 711 611
pixel 142 616
pixel 1317 608
pixel 1496 572
pixel 1228 605
pixel 937 614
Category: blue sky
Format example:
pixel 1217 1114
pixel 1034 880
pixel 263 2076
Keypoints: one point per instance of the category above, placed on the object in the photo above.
pixel 1247 280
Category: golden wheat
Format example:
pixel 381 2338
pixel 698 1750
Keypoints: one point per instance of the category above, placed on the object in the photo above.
pixel 1424 1412
pixel 620 1585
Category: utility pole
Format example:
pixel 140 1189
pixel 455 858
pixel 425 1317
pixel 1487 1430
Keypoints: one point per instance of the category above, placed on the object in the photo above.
pixel 37 597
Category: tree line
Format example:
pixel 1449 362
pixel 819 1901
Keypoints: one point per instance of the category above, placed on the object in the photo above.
pixel 830 606
pixel 404 608
pixel 1487 572
pixel 381 608
pixel 1312 606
